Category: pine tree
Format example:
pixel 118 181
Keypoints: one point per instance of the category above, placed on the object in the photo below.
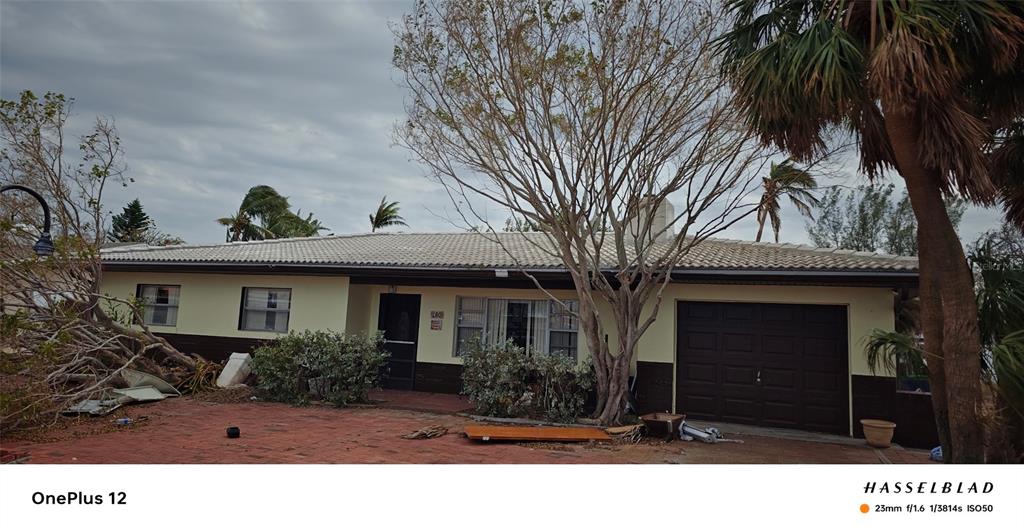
pixel 131 225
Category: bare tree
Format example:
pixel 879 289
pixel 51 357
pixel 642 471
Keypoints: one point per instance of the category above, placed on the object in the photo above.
pixel 583 119
pixel 62 339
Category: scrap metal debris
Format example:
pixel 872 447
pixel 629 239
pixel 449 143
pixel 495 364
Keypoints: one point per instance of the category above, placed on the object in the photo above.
pixel 136 378
pixel 143 387
pixel 710 435
pixel 95 408
pixel 427 433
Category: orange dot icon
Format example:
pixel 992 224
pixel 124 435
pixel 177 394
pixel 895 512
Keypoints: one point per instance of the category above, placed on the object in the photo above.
pixel 864 508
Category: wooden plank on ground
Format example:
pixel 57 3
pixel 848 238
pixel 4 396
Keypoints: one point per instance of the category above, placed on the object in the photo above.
pixel 483 432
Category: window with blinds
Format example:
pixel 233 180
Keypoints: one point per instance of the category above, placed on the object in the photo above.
pixel 265 309
pixel 159 304
pixel 537 325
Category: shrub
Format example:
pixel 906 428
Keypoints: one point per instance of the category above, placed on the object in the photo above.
pixel 506 380
pixel 494 377
pixel 330 366
pixel 562 385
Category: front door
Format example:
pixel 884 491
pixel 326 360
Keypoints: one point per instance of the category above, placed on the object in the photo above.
pixel 399 320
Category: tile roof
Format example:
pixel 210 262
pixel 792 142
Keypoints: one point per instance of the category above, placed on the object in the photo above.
pixel 469 250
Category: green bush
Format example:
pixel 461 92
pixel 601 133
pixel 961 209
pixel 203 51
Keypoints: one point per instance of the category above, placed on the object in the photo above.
pixel 494 377
pixel 311 365
pixel 561 386
pixel 506 380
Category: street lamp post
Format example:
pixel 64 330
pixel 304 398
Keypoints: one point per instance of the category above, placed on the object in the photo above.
pixel 44 245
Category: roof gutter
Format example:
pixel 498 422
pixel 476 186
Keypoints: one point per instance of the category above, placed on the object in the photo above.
pixel 490 270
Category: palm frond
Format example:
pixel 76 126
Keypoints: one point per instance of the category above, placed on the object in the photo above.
pixel 886 349
pixel 386 215
pixel 1008 367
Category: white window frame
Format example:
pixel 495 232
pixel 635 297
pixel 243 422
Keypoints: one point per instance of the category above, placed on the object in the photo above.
pixel 486 302
pixel 459 325
pixel 244 309
pixel 555 308
pixel 141 297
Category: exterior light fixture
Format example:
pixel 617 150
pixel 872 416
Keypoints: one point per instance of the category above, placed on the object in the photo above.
pixel 44 245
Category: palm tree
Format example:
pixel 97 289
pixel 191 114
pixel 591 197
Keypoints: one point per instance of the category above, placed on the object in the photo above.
pixel 386 215
pixel 784 180
pixel 934 90
pixel 240 227
pixel 265 204
pixel 264 215
pixel 1000 296
pixel 289 225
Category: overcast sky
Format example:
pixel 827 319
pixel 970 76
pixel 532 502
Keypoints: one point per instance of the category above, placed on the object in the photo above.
pixel 211 98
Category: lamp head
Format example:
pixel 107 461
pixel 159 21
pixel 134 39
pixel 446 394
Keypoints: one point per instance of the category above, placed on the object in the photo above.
pixel 44 247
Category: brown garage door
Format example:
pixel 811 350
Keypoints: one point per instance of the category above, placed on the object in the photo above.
pixel 781 365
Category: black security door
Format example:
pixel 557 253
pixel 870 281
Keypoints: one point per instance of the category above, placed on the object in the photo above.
pixel 399 320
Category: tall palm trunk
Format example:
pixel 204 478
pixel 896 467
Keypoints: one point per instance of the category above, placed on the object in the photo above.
pixel 949 309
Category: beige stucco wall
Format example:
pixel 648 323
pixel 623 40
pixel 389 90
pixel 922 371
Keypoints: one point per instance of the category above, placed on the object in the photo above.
pixel 210 303
pixel 438 346
pixel 868 308
pixel 358 322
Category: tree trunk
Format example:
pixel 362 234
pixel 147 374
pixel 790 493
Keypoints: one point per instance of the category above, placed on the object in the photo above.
pixel 931 326
pixel 951 287
pixel 760 228
pixel 618 386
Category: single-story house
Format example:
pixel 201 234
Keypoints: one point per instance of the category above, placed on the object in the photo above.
pixel 753 333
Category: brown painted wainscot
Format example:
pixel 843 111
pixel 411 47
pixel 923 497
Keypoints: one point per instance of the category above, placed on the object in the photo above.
pixel 438 377
pixel 653 386
pixel 875 397
pixel 213 348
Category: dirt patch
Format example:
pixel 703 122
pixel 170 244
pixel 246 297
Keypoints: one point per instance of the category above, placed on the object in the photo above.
pixel 186 430
pixel 74 428
pixel 234 395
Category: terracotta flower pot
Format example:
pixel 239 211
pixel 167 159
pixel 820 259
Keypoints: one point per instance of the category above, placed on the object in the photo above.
pixel 878 432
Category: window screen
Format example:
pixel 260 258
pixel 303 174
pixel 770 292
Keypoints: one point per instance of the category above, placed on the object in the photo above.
pixel 265 309
pixel 159 304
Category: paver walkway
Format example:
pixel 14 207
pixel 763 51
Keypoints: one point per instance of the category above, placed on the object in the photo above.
pixel 185 430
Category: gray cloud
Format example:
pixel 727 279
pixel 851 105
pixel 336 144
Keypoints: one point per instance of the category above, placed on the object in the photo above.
pixel 214 97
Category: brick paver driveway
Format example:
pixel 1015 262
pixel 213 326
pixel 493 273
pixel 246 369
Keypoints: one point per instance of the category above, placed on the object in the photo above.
pixel 184 430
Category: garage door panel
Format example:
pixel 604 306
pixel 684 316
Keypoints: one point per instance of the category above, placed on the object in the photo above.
pixel 773 344
pixel 823 382
pixel 817 418
pixel 696 341
pixel 699 372
pixel 799 352
pixel 781 413
pixel 780 378
pixel 740 408
pixel 738 312
pixel 738 375
pixel 823 347
pixel 780 313
pixel 738 343
pixel 703 312
pixel 825 314
pixel 700 404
